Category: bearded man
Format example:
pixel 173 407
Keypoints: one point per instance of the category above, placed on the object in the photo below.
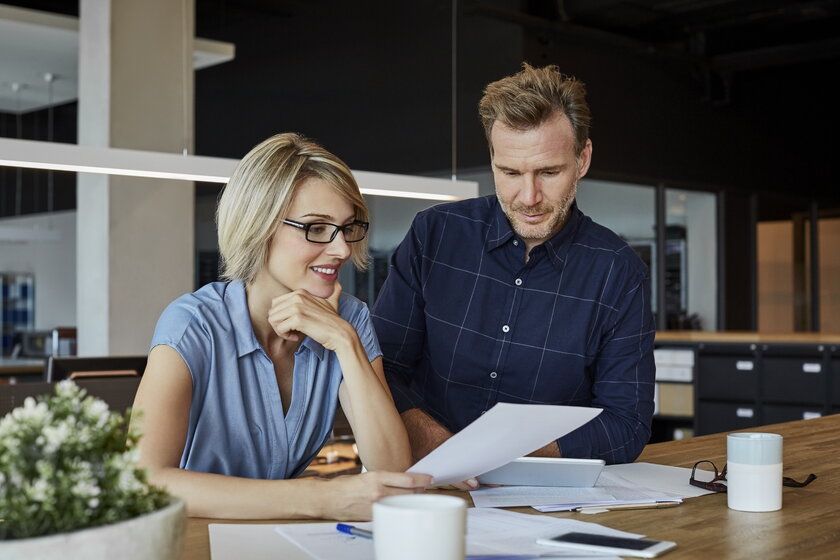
pixel 519 297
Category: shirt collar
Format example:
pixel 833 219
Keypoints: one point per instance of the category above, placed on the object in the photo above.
pixel 556 247
pixel 246 341
pixel 237 305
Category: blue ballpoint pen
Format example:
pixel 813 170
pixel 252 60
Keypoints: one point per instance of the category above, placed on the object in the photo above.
pixel 355 531
pixel 365 534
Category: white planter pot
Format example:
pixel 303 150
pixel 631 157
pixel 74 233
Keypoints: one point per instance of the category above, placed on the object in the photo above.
pixel 154 536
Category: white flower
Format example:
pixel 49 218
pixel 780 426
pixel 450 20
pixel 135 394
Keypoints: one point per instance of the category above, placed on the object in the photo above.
pixel 66 464
pixel 40 490
pixel 96 411
pixel 55 436
pixel 31 412
pixel 67 388
pixel 86 488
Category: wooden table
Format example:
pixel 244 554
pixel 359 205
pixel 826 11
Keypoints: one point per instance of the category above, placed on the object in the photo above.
pixel 807 526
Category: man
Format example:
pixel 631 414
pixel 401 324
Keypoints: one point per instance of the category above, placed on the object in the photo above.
pixel 519 297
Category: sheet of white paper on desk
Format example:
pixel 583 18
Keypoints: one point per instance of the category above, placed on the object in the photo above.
pixel 322 541
pixel 504 433
pixel 237 541
pixel 662 478
pixel 489 531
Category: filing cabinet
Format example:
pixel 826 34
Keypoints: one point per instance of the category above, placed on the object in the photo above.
pixel 727 372
pixel 759 381
pixel 794 373
pixel 713 417
pixel 775 413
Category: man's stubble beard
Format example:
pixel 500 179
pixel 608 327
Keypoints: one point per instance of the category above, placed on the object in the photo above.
pixel 560 214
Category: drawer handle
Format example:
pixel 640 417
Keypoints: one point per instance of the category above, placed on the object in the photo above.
pixel 744 413
pixel 810 415
pixel 744 365
pixel 811 367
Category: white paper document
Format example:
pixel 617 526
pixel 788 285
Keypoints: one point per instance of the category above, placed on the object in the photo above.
pixel 489 531
pixel 504 433
pixel 633 483
pixel 239 541
pixel 610 490
pixel 663 478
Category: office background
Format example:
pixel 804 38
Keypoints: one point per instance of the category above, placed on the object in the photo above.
pixel 693 99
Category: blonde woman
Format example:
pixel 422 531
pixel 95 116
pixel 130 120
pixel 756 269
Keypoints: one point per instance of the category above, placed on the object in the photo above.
pixel 243 376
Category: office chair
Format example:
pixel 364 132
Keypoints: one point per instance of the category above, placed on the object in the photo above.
pixel 117 392
pixel 75 367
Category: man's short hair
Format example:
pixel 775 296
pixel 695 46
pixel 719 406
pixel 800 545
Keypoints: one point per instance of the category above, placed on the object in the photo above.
pixel 530 97
pixel 260 191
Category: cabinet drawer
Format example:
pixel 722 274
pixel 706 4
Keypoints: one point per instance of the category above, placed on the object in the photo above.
pixel 834 373
pixel 727 377
pixel 773 414
pixel 714 417
pixel 799 380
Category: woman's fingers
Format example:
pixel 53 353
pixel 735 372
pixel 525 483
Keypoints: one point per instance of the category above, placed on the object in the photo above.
pixel 333 299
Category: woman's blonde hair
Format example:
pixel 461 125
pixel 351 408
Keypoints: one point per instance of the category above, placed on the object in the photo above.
pixel 260 191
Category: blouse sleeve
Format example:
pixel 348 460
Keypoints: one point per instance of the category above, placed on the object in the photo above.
pixel 358 315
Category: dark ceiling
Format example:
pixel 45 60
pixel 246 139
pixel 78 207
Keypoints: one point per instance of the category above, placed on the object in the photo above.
pixel 717 38
pixel 720 38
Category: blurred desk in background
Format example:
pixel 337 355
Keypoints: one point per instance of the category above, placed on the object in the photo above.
pixel 11 369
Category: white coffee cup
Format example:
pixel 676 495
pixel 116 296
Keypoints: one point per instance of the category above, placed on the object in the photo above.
pixel 754 471
pixel 419 527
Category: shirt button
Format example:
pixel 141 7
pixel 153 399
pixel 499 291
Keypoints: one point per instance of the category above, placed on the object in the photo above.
pixel 505 328
pixel 518 281
pixel 493 375
pixel 515 242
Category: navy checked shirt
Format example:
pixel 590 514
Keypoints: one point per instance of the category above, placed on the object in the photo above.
pixel 464 322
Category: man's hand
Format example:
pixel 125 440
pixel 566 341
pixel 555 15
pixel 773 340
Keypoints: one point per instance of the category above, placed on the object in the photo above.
pixel 425 435
pixel 549 450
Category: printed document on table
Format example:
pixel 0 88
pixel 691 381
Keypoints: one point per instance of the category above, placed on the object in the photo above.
pixel 504 433
pixel 609 490
pixel 489 531
pixel 662 478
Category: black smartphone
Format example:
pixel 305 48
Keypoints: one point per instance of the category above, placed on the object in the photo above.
pixel 620 546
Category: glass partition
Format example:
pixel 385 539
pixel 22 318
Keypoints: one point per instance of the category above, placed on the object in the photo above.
pixel 629 210
pixel 690 259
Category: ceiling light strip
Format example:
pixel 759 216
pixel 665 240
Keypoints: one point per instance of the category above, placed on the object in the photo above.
pixel 57 156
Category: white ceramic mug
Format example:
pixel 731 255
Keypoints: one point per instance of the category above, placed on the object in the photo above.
pixel 754 471
pixel 419 527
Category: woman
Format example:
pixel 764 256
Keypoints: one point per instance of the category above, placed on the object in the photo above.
pixel 243 376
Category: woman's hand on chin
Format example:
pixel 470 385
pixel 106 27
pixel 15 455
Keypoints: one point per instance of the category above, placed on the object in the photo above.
pixel 300 313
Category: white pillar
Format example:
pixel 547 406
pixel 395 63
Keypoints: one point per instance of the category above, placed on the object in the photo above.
pixel 134 236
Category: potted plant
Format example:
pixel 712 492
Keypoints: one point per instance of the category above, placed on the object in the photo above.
pixel 70 486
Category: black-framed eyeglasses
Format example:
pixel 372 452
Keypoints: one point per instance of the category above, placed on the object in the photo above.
pixel 325 232
pixel 716 484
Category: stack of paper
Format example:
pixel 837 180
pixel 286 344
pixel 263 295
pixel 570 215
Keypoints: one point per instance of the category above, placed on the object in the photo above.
pixel 489 532
pixel 635 483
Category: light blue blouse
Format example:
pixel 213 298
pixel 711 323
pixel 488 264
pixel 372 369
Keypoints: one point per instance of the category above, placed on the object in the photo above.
pixel 236 423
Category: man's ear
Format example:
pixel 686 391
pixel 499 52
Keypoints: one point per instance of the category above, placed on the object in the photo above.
pixel 584 159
